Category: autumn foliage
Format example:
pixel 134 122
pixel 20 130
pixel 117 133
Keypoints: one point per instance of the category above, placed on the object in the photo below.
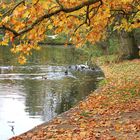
pixel 25 22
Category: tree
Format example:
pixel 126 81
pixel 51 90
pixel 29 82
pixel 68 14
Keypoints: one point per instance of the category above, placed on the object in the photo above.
pixel 25 22
pixel 128 45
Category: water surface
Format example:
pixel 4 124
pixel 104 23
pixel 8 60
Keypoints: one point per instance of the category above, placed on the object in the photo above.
pixel 40 90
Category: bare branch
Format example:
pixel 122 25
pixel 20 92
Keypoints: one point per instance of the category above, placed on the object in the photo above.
pixel 96 9
pixel 36 2
pixel 87 20
pixel 79 26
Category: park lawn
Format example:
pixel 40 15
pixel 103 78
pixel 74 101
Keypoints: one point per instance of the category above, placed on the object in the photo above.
pixel 112 112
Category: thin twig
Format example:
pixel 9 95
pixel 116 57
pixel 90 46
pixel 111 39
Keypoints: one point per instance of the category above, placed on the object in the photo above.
pixel 60 4
pixel 10 11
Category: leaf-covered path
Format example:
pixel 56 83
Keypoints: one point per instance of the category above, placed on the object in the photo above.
pixel 111 113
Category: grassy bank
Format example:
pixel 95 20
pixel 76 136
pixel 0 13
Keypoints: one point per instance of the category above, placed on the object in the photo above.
pixel 110 113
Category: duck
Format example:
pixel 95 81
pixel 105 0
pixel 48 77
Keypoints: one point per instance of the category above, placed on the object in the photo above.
pixel 82 66
pixel 66 72
pixel 44 77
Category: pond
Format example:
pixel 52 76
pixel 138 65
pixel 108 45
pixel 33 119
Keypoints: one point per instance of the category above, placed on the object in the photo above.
pixel 40 90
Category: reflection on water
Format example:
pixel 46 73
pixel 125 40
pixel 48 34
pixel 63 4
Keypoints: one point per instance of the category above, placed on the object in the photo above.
pixel 38 91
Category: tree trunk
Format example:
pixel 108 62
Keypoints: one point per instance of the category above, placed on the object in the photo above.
pixel 128 45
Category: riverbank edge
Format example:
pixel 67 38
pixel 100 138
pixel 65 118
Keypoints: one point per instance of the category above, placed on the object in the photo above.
pixel 65 125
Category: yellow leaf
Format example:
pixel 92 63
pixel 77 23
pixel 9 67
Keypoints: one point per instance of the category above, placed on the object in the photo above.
pixel 26 14
pixel 5 20
pixel 22 59
pixel 50 27
pixel 4 43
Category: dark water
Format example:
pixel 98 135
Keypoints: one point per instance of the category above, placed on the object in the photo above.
pixel 38 91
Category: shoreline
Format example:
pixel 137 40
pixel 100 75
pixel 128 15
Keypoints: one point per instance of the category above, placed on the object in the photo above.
pixel 110 112
pixel 50 43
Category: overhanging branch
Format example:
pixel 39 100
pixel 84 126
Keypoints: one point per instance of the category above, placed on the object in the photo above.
pixel 9 29
pixel 48 15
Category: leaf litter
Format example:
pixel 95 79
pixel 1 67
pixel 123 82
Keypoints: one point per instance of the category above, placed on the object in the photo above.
pixel 112 112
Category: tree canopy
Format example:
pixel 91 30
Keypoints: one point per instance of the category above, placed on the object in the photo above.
pixel 25 23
